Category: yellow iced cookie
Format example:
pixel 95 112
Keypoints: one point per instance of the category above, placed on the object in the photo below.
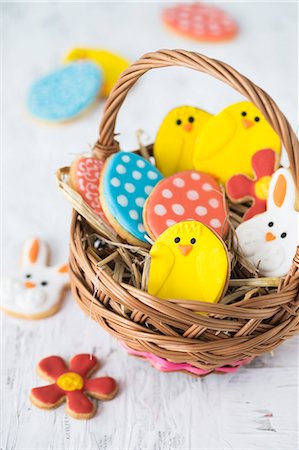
pixel 189 261
pixel 174 144
pixel 229 140
pixel 112 65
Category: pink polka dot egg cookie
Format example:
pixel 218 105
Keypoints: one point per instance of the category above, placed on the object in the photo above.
pixel 187 195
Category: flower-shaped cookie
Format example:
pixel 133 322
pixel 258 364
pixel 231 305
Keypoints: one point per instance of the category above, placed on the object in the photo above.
pixel 241 187
pixel 73 385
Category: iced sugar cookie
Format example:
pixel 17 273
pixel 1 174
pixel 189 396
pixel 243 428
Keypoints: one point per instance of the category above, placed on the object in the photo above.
pixel 189 261
pixel 73 385
pixel 200 22
pixel 241 187
pixel 269 240
pixel 126 182
pixel 37 290
pixel 84 178
pixel 111 64
pixel 174 143
pixel 65 93
pixel 183 196
pixel 230 139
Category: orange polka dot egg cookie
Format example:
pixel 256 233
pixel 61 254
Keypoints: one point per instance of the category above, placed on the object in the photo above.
pixel 188 195
pixel 126 182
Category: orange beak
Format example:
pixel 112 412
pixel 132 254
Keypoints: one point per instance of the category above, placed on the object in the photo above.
pixel 185 249
pixel 188 127
pixel 247 123
pixel 270 236
pixel 29 285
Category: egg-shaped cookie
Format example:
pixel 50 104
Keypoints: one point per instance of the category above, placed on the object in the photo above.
pixel 187 195
pixel 126 182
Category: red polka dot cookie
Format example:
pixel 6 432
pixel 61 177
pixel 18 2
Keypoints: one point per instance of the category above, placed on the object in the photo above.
pixel 200 22
pixel 187 195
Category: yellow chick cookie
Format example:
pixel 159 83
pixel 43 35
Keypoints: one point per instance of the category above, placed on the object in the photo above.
pixel 189 261
pixel 111 64
pixel 229 140
pixel 174 144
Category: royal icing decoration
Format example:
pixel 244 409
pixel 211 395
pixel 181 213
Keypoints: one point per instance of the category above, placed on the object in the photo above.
pixel 126 182
pixel 73 385
pixel 37 290
pixel 112 65
pixel 66 92
pixel 167 366
pixel 183 196
pixel 269 240
pixel 84 177
pixel 200 22
pixel 241 187
pixel 184 261
pixel 174 143
pixel 228 141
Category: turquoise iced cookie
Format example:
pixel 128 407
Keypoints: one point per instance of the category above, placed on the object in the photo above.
pixel 65 93
pixel 127 181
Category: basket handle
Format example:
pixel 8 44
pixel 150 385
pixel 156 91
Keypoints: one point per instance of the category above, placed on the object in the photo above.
pixel 107 145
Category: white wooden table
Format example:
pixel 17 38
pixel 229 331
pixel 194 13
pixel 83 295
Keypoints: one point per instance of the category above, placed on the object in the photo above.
pixel 257 407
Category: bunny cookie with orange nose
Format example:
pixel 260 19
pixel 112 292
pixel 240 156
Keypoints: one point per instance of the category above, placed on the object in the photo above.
pixel 38 289
pixel 269 240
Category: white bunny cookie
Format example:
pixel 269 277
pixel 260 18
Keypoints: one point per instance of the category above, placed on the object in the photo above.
pixel 38 290
pixel 269 240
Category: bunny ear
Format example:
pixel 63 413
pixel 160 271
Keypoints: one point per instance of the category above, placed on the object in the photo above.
pixel 282 191
pixel 35 252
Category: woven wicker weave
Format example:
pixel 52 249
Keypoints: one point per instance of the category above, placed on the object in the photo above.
pixel 255 324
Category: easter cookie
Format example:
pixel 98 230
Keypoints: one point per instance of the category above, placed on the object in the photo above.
pixel 240 187
pixel 111 64
pixel 84 178
pixel 183 196
pixel 269 240
pixel 65 93
pixel 126 182
pixel 38 290
pixel 189 261
pixel 230 139
pixel 174 143
pixel 200 22
pixel 73 385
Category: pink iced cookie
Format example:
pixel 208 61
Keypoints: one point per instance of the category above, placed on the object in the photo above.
pixel 185 195
pixel 84 178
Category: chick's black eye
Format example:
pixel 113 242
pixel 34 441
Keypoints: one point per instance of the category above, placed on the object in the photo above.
pixel 192 241
pixel 243 113
pixel 44 283
pixel 28 275
pixel 283 235
pixel 191 119
pixel 257 119
pixel 179 122
pixel 270 224
pixel 177 240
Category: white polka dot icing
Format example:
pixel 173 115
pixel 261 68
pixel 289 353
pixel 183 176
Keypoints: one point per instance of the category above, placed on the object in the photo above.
pixel 126 184
pixel 188 195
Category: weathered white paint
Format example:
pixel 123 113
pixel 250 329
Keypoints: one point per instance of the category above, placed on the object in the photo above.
pixel 256 408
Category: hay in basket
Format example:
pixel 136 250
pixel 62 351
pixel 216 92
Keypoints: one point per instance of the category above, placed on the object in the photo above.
pixel 109 276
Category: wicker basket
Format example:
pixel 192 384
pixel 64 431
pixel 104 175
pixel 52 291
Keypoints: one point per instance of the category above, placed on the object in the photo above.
pixel 254 317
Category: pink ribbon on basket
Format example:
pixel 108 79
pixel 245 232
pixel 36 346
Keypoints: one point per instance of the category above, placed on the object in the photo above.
pixel 168 366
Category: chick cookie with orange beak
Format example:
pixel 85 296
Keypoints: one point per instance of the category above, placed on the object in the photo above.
pixel 228 141
pixel 189 261
pixel 174 144
pixel 38 289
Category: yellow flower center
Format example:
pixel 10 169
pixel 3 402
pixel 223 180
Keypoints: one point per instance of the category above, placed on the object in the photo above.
pixel 261 187
pixel 70 381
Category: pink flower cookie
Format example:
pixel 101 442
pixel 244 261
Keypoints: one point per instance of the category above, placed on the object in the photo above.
pixel 84 178
pixel 183 196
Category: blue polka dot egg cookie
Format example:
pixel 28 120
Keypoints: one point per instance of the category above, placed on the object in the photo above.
pixel 65 93
pixel 126 182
